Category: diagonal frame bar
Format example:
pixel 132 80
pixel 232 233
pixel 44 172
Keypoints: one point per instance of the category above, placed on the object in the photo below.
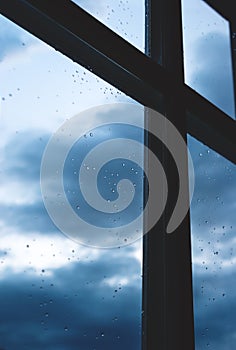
pixel 82 38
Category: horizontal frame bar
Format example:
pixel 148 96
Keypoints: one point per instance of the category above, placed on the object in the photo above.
pixel 82 38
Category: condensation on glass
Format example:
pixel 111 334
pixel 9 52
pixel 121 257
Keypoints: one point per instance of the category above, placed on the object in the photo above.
pixel 124 17
pixel 213 224
pixel 54 293
pixel 207 54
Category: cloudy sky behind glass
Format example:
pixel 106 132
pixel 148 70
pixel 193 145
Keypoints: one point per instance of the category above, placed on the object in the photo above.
pixel 207 57
pixel 56 294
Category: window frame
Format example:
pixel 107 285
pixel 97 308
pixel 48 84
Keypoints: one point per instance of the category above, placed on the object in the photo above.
pixel 156 80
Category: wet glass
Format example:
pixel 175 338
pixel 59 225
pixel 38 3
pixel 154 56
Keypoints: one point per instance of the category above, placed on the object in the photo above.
pixel 55 293
pixel 213 226
pixel 124 17
pixel 207 54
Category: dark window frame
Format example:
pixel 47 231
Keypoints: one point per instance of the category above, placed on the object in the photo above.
pixel 155 80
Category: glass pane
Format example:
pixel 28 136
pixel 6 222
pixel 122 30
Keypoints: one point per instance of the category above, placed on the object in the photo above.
pixel 207 54
pixel 124 17
pixel 54 292
pixel 213 226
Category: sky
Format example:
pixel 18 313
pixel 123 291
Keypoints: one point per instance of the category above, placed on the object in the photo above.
pixel 55 293
pixel 207 57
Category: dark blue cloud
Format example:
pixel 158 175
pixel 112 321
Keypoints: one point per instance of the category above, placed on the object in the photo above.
pixel 23 156
pixel 22 164
pixel 23 160
pixel 74 308
pixel 214 186
pixel 214 316
pixel 108 177
pixel 213 230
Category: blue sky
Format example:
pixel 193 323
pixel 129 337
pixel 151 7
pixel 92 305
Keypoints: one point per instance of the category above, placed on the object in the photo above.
pixel 56 294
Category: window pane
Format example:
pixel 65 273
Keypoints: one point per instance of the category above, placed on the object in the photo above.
pixel 213 248
pixel 207 54
pixel 124 17
pixel 55 293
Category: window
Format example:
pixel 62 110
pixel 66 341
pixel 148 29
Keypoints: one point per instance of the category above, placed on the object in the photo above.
pixel 155 80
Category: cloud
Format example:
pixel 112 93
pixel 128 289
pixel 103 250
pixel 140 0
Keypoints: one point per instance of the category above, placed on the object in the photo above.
pixel 21 201
pixel 13 39
pixel 213 240
pixel 85 284
pixel 75 306
pixel 215 179
pixel 214 319
pixel 212 77
pixel 56 294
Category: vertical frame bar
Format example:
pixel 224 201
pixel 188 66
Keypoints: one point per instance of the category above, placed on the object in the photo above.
pixel 167 275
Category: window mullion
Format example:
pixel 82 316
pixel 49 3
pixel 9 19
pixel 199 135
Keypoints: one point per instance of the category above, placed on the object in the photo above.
pixel 167 285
